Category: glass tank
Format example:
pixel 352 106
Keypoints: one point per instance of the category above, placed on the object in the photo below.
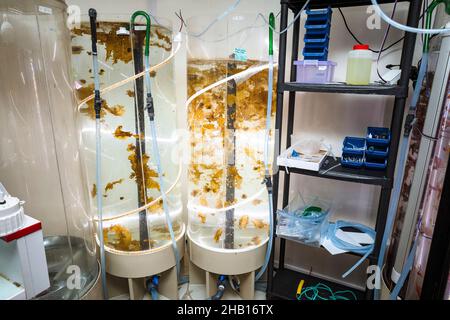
pixel 227 79
pixel 133 216
pixel 39 151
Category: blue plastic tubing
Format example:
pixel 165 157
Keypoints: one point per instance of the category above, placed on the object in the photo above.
pixel 159 168
pixel 398 184
pixel 364 250
pixel 266 163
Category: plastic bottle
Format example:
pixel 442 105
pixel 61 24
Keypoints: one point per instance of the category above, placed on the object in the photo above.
pixel 359 65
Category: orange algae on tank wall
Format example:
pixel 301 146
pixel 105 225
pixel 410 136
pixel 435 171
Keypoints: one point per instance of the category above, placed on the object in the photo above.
pixel 130 181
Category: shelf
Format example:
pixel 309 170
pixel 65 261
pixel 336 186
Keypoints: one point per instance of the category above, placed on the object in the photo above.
pixel 285 283
pixel 370 257
pixel 298 4
pixel 365 176
pixel 376 89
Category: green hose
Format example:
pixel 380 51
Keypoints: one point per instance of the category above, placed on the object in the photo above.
pixel 147 29
pixel 271 28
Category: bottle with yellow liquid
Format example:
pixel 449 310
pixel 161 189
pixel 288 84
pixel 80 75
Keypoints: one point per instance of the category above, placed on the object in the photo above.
pixel 359 65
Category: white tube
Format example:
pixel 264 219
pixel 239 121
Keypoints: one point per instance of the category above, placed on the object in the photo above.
pixel 400 26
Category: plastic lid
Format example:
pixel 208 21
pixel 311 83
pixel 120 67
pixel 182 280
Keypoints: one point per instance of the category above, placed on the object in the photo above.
pixel 361 47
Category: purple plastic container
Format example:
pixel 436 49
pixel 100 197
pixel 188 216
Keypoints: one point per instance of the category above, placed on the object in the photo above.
pixel 315 71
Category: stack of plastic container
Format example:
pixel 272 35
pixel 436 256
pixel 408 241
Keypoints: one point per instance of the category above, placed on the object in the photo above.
pixel 315 68
pixel 353 152
pixel 317 36
pixel 370 152
pixel 377 147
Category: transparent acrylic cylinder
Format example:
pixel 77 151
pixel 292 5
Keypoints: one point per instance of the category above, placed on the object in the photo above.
pixel 39 151
pixel 228 203
pixel 129 173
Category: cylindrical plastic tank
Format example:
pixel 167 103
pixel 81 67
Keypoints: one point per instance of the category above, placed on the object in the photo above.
pixel 39 153
pixel 129 174
pixel 227 78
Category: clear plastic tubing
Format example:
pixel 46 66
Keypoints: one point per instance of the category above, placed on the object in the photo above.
pixel 359 65
pixel 400 26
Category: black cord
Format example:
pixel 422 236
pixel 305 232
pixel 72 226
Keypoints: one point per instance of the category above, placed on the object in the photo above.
pixel 425 135
pixel 180 16
pixel 359 42
pixel 384 41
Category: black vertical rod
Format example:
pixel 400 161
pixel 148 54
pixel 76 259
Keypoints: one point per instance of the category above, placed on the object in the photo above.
pixel 230 154
pixel 140 129
pixel 278 128
pixel 290 126
pixel 438 264
pixel 397 118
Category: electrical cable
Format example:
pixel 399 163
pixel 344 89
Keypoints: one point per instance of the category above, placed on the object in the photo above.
pixel 370 49
pixel 155 148
pixel 98 162
pixel 359 42
pixel 365 250
pixel 425 135
pixel 384 41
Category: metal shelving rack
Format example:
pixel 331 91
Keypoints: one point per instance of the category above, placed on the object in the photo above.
pixel 282 283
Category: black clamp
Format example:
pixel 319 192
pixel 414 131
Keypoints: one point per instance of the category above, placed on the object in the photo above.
pixel 150 107
pixel 268 182
pixel 409 123
pixel 97 104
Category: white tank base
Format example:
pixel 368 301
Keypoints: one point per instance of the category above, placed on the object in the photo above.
pixel 205 266
pixel 136 266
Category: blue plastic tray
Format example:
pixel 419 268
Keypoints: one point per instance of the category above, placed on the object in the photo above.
pixel 375 163
pixel 377 151
pixel 321 40
pixel 354 146
pixel 352 164
pixel 378 141
pixel 315 53
pixel 318 12
pixel 322 26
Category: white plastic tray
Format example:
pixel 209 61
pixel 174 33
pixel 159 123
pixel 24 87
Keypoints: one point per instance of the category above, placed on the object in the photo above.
pixel 314 164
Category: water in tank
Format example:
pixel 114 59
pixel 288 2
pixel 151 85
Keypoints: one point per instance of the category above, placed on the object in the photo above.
pixel 39 152
pixel 133 216
pixel 227 78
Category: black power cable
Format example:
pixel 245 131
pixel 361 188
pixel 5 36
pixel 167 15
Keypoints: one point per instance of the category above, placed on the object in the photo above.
pixel 359 42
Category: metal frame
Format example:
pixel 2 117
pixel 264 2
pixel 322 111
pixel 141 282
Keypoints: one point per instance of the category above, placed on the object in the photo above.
pixel 400 91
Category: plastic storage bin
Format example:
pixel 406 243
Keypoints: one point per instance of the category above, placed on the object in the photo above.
pixel 316 39
pixel 354 146
pixel 304 221
pixel 376 163
pixel 377 151
pixel 378 136
pixel 317 25
pixel 315 71
pixel 352 160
